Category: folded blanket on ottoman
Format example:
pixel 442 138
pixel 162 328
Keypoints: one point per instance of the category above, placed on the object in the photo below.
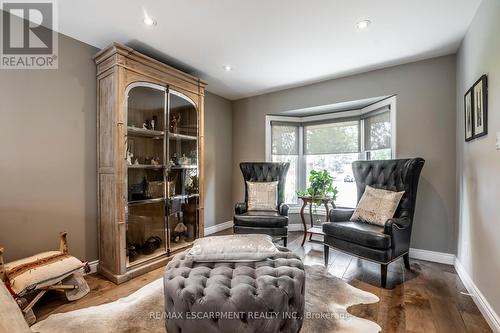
pixel 244 297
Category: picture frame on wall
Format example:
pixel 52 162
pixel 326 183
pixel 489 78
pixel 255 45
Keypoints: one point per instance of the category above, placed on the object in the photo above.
pixel 480 107
pixel 469 117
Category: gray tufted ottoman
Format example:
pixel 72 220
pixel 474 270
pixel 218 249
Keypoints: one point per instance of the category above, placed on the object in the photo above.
pixel 244 297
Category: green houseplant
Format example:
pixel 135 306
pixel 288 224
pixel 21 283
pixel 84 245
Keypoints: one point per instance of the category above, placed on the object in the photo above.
pixel 320 187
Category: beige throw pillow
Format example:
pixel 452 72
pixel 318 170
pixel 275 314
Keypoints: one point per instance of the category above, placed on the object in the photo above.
pixel 262 195
pixel 377 206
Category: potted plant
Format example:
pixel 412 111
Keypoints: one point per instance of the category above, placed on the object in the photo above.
pixel 320 187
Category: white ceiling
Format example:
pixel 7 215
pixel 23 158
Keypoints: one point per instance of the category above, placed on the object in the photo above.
pixel 273 44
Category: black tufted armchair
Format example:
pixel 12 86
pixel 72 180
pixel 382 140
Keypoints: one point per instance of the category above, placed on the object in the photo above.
pixel 274 223
pixel 380 244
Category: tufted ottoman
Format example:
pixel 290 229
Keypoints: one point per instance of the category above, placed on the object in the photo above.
pixel 245 297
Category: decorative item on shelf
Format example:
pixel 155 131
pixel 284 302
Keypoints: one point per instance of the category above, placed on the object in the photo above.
pixel 174 123
pixel 155 161
pixel 140 191
pixel 132 251
pixel 151 245
pixel 184 160
pixel 136 162
pixel 174 160
pixel 171 188
pixel 129 157
pixel 192 187
pixel 156 189
pixel 154 122
pixel 179 232
pixel 145 124
pixel 194 156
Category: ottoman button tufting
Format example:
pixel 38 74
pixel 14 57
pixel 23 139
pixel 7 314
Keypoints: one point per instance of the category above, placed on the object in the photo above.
pixel 274 286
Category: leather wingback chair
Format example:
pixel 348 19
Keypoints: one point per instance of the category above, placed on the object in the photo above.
pixel 274 223
pixel 381 244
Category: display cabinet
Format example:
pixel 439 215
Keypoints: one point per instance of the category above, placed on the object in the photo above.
pixel 150 154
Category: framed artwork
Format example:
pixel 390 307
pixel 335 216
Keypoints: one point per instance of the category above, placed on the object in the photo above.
pixel 469 118
pixel 480 106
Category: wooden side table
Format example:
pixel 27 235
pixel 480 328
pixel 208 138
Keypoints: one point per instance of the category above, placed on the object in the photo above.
pixel 313 230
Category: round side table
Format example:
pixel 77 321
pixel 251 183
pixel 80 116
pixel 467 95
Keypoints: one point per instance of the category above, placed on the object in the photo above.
pixel 313 230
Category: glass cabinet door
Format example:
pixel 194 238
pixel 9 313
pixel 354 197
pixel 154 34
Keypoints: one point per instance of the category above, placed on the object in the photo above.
pixel 146 184
pixel 182 180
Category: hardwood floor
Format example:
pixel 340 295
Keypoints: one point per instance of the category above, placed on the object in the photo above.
pixel 426 299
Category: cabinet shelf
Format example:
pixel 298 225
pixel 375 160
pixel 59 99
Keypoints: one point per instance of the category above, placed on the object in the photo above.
pixel 187 166
pixel 182 137
pixel 141 258
pixel 178 246
pixel 137 131
pixel 183 196
pixel 145 166
pixel 145 201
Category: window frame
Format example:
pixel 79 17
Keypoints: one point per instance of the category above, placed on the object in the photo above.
pixel 388 104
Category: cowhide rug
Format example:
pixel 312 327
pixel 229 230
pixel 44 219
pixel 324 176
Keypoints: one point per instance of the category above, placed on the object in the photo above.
pixel 326 296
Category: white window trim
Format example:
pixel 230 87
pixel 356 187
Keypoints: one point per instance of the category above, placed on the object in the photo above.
pixel 389 102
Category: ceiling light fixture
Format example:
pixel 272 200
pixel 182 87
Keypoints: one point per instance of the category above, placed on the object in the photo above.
pixel 228 68
pixel 361 25
pixel 148 20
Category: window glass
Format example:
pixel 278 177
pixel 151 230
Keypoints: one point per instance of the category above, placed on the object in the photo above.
pixel 285 148
pixel 339 166
pixel 291 184
pixel 332 138
pixel 285 139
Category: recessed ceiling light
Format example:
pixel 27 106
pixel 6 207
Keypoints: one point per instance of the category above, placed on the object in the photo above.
pixel 228 68
pixel 148 20
pixel 363 24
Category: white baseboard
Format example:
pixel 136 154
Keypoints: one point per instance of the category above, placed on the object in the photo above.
pixel 218 227
pixel 295 227
pixel 439 257
pixel 482 303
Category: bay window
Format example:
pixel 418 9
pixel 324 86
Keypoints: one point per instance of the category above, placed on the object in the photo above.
pixel 329 142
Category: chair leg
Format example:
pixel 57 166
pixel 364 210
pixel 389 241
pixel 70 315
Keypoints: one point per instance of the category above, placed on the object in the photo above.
pixel 284 240
pixel 326 252
pixel 406 259
pixel 383 275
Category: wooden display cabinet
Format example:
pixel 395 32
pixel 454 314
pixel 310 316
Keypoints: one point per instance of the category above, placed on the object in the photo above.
pixel 150 162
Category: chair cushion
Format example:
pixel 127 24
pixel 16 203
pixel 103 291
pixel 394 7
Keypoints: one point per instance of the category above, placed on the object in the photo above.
pixel 261 219
pixel 361 233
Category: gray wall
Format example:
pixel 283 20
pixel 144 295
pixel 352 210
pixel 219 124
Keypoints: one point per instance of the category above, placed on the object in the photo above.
pixel 48 156
pixel 426 127
pixel 478 163
pixel 218 160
